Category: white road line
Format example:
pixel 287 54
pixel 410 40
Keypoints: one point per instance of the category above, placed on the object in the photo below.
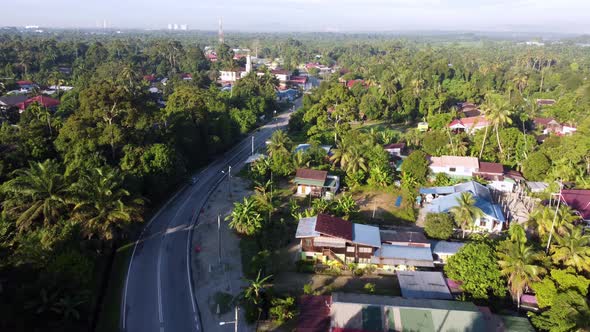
pixel 159 283
pixel 135 248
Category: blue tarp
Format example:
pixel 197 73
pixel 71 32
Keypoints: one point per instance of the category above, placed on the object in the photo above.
pixel 398 201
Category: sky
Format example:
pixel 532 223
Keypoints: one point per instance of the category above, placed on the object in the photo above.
pixel 571 16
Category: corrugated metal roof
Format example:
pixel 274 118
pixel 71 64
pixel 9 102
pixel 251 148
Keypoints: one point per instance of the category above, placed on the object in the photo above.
pixel 423 285
pixel 401 236
pixel 438 190
pixel 367 235
pixel 446 247
pixel 403 255
pixel 306 228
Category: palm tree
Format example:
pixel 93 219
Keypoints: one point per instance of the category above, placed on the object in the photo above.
pixel 38 193
pixel 353 160
pixel 245 218
pixel 517 262
pixel 498 116
pixel 279 142
pixel 542 219
pixel 466 213
pixel 103 206
pixel 256 288
pixel 572 249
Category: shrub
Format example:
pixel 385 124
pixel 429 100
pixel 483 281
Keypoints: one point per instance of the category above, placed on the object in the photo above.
pixel 439 226
pixel 369 288
pixel 308 289
pixel 282 309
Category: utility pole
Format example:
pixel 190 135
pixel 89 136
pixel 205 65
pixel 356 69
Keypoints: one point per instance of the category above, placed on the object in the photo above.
pixel 219 236
pixel 235 322
pixel 229 181
pixel 252 144
pixel 554 218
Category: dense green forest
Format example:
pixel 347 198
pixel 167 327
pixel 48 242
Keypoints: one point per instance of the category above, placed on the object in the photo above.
pixel 77 182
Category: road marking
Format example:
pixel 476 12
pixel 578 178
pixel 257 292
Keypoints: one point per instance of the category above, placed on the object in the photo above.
pixel 198 213
pixel 135 248
pixel 159 283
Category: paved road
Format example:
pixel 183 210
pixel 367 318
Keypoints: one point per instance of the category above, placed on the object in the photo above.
pixel 158 293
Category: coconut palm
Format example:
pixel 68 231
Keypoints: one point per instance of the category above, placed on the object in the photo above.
pixel 466 213
pixel 517 262
pixel 572 250
pixel 542 219
pixel 103 206
pixel 245 218
pixel 353 160
pixel 499 115
pixel 37 194
pixel 279 143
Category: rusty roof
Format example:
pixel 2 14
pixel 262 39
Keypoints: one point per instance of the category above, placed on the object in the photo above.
pixel 333 226
pixel 492 168
pixel 311 174
pixel 314 313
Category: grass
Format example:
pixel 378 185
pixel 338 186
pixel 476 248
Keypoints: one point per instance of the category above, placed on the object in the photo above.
pixel 383 202
pixel 110 312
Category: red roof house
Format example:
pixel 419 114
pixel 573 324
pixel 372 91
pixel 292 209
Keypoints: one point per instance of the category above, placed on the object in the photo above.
pixel 334 226
pixel 470 124
pixel 42 100
pixel 351 83
pixel 579 200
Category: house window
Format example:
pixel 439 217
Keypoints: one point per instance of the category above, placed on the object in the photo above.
pixel 349 249
pixel 483 223
pixel 452 169
pixel 307 243
pixel 366 250
pixel 364 260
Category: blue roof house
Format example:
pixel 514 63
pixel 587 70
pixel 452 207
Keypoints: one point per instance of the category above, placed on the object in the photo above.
pixel 493 218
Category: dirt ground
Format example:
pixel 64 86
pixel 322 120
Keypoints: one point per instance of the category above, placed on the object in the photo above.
pixel 212 278
pixel 293 282
pixel 378 207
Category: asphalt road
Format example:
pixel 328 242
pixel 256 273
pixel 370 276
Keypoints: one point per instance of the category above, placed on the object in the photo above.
pixel 158 294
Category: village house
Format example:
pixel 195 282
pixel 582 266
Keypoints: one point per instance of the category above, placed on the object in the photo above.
pixel 12 101
pixel 468 109
pixel 443 199
pixel 552 126
pixel 395 149
pixel 454 166
pixel 442 250
pixel 324 238
pixel 316 183
pixel 579 201
pixel 327 238
pixel 469 125
pixel 44 101
pixel 545 102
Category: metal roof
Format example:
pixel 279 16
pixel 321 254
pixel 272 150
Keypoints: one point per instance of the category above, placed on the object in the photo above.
pixel 438 190
pixel 423 285
pixel 306 228
pixel 403 255
pixel 446 247
pixel 333 226
pixel 366 235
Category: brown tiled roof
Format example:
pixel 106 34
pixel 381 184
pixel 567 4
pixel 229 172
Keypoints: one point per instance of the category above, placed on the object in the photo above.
pixel 314 313
pixel 543 121
pixel 334 226
pixel 312 174
pixel 409 237
pixel 395 146
pixel 491 168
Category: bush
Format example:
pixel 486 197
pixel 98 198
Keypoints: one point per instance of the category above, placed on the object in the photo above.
pixel 282 309
pixel 369 288
pixel 305 266
pixel 308 289
pixel 439 226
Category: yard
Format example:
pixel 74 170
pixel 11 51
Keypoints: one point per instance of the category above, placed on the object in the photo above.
pixel 390 206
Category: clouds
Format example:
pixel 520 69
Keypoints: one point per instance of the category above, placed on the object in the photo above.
pixel 311 15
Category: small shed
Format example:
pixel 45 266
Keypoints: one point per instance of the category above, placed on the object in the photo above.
pixel 537 187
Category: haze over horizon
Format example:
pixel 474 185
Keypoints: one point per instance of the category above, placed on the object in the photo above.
pixel 565 16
